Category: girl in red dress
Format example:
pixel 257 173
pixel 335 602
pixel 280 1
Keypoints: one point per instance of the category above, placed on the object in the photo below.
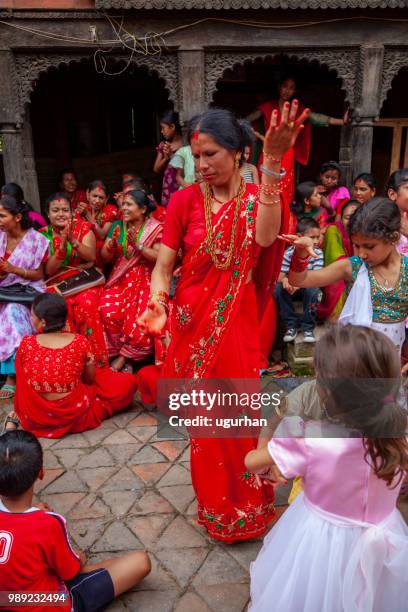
pixel 218 225
pixel 72 247
pixel 133 245
pixel 59 390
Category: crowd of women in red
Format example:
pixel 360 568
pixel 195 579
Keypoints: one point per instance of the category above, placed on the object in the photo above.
pixel 100 278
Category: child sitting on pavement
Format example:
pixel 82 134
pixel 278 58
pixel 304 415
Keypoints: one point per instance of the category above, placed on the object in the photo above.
pixel 284 292
pixel 35 553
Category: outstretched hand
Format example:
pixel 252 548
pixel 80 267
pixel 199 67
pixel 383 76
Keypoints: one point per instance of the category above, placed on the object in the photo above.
pixel 153 320
pixel 279 138
pixel 303 244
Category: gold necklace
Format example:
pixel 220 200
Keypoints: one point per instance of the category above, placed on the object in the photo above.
pixel 208 197
pixel 387 287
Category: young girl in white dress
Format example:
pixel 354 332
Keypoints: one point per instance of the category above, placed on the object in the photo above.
pixel 341 546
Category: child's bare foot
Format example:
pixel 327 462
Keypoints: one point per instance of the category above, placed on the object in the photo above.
pixel 118 363
pixel 11 422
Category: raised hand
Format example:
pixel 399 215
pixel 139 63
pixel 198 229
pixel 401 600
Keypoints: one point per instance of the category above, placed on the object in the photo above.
pixel 153 320
pixel 132 236
pixel 82 208
pixel 302 244
pixel 113 241
pixel 279 138
pixel 66 234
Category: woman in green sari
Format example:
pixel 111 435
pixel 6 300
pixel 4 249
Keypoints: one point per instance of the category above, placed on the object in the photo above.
pixel 336 245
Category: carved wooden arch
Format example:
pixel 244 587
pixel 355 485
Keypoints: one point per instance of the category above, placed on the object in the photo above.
pixel 345 62
pixel 30 67
pixel 394 60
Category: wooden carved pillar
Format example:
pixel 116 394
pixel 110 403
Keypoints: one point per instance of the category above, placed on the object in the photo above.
pixel 31 180
pixel 13 155
pixel 368 107
pixel 191 84
pixel 16 135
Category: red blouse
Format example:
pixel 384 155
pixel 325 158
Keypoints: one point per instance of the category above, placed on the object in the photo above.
pixel 80 230
pixel 108 214
pixel 184 226
pixel 54 370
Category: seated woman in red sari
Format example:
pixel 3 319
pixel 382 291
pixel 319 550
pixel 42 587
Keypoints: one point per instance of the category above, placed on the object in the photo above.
pixel 99 213
pixel 72 245
pixel 133 245
pixel 219 224
pixel 68 183
pixel 59 390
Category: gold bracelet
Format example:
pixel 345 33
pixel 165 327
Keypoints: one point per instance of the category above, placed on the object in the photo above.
pixel 270 157
pixel 270 189
pixel 24 275
pixel 270 204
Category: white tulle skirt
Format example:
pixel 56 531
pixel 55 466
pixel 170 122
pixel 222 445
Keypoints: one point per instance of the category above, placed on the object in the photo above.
pixel 313 561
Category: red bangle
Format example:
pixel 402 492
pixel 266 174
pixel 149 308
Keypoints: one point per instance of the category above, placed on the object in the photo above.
pixel 299 264
pixel 161 302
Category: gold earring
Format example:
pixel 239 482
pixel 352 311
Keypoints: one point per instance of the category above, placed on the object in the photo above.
pixel 237 162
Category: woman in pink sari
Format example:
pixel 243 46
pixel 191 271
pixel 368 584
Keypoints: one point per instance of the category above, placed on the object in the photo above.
pixel 133 245
pixel 219 225
pixel 23 253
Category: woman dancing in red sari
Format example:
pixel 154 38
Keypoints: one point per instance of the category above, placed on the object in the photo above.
pixel 59 390
pixel 72 245
pixel 133 243
pixel 219 224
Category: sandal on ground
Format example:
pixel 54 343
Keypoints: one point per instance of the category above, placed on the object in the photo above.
pixel 11 419
pixel 7 392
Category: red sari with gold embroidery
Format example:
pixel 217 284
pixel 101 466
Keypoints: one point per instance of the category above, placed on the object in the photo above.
pixel 125 296
pixel 215 335
pixel 83 314
pixel 40 370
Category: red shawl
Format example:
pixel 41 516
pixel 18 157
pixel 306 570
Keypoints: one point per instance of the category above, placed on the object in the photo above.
pixel 151 234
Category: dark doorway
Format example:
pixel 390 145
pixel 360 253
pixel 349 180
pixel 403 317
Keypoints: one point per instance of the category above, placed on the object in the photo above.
pixel 100 125
pixel 247 85
pixel 390 141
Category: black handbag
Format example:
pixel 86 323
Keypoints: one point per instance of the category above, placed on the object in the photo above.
pixel 71 280
pixel 18 294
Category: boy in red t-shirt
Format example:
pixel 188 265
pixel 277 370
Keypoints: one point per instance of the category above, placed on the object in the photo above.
pixel 36 556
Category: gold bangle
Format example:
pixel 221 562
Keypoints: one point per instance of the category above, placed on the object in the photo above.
pixel 270 204
pixel 270 157
pixel 270 189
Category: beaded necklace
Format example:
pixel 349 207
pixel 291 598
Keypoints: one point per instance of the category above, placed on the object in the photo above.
pixel 208 198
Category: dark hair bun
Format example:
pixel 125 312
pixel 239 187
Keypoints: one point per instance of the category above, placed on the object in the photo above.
pixel 142 200
pixel 52 308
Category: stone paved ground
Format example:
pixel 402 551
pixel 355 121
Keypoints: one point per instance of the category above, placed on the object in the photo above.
pixel 121 488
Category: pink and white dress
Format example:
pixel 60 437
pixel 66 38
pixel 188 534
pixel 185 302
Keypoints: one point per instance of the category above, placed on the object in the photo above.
pixel 342 546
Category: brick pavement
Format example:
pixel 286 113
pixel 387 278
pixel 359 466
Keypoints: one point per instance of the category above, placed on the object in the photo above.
pixel 121 488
